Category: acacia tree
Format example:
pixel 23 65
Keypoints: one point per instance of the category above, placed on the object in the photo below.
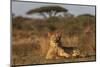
pixel 48 11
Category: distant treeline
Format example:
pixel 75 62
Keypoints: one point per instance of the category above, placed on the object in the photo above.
pixel 67 24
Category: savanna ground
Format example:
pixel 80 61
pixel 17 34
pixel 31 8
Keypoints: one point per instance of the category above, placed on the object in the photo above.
pixel 30 40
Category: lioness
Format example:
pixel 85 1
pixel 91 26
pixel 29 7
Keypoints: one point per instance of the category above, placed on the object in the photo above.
pixel 55 51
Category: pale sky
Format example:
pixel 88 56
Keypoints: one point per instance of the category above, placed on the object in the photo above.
pixel 20 8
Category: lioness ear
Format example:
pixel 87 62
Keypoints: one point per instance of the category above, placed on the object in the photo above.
pixel 49 34
pixel 60 33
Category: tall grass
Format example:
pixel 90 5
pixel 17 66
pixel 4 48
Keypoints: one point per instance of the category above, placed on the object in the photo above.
pixel 30 40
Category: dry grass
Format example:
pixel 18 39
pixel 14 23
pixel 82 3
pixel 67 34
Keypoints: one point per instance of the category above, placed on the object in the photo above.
pixel 30 41
pixel 33 49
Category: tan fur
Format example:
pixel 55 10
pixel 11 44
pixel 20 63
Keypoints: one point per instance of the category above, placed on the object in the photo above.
pixel 76 53
pixel 54 51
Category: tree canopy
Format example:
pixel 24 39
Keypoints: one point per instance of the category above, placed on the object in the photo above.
pixel 51 11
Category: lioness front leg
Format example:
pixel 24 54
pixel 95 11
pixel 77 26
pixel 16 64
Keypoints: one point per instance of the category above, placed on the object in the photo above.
pixel 62 53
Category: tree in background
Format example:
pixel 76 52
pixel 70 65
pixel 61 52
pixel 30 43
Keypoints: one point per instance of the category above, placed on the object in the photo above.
pixel 48 11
